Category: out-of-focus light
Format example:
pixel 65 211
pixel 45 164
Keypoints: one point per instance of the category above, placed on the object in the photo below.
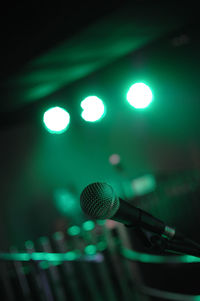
pixel 114 159
pixel 90 250
pixel 101 245
pixel 88 225
pixel 29 244
pixel 44 265
pixel 101 222
pixel 65 202
pixel 56 120
pixel 144 184
pixel 93 109
pixel 74 230
pixel 139 96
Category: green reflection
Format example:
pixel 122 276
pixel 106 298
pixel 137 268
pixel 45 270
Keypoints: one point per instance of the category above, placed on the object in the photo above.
pixel 149 258
pixel 189 259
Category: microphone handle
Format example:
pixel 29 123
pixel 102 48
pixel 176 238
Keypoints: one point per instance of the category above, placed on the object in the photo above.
pixel 133 216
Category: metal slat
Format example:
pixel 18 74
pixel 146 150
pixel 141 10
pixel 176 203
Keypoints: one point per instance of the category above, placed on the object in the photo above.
pixel 53 271
pixel 23 282
pixel 101 267
pixel 68 267
pixel 86 271
pixel 41 285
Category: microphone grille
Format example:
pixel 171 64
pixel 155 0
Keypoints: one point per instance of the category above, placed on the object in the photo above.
pixel 98 200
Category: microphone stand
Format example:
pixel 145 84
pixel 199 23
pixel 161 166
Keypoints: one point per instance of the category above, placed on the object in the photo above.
pixel 160 244
pixel 174 247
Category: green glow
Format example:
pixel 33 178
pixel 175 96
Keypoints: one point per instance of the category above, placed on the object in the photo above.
pixel 144 184
pixel 88 225
pixel 101 222
pixel 93 109
pixel 71 255
pixel 101 245
pixel 40 90
pixel 44 265
pixel 91 250
pixel 150 258
pixel 139 96
pixel 56 120
pixel 65 201
pixel 189 259
pixel 41 256
pixel 74 230
pixel 26 269
pixel 58 235
pixel 55 263
pixel 43 240
pixel 56 257
pixel 29 244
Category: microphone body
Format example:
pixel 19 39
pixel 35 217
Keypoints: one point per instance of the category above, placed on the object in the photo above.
pixel 133 216
pixel 99 201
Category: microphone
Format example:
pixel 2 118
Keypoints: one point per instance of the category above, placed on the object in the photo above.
pixel 99 201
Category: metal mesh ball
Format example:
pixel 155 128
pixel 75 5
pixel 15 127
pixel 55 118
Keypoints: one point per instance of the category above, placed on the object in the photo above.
pixel 99 201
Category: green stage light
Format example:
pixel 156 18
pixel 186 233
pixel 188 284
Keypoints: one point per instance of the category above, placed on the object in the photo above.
pixel 56 120
pixel 139 96
pixel 93 109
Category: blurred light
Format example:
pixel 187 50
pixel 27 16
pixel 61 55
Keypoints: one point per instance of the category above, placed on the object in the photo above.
pixel 144 185
pixel 114 159
pixel 91 250
pixel 71 255
pixel 94 258
pixel 101 245
pixel 58 235
pixel 139 96
pixel 73 230
pixel 29 244
pixel 43 240
pixel 101 222
pixel 55 263
pixel 88 225
pixel 44 265
pixel 56 120
pixel 65 202
pixel 93 109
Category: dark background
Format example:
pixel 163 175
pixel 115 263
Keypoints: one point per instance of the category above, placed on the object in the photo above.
pixel 51 55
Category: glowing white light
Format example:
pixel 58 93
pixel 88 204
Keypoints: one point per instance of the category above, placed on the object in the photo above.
pixel 93 108
pixel 56 120
pixel 139 95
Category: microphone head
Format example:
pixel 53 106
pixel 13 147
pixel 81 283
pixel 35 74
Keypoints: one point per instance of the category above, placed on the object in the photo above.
pixel 99 201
